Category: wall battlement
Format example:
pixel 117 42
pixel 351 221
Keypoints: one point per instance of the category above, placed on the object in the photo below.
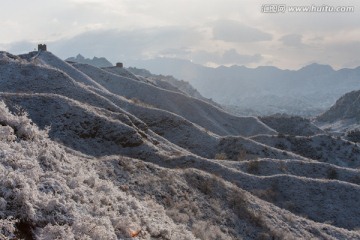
pixel 42 47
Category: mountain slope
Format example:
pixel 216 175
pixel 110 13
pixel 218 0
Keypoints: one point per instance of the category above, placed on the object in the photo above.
pixel 343 116
pixel 291 125
pixel 171 83
pixel 51 81
pixel 192 109
pixel 346 107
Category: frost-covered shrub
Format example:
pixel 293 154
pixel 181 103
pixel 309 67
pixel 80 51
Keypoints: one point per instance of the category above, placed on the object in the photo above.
pixel 253 166
pixel 53 194
pixel 21 124
pixel 7 133
pixel 7 228
pixel 220 156
pixel 354 135
pixel 332 173
pixel 50 232
pixel 204 230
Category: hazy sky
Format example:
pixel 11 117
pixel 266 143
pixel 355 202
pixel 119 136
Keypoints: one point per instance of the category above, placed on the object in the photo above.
pixel 210 32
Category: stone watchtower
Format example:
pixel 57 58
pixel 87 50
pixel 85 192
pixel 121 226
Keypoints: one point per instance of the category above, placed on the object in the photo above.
pixel 42 47
pixel 119 65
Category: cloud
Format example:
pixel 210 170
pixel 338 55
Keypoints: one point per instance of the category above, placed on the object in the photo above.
pixel 123 29
pixel 233 57
pixel 230 56
pixel 121 45
pixel 342 54
pixel 203 57
pixel 292 40
pixel 183 52
pixel 232 31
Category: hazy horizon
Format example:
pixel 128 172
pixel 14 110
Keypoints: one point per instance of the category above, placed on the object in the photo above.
pixel 131 63
pixel 209 33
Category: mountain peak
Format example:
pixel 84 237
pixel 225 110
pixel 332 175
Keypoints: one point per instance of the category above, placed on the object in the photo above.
pixel 80 57
pixel 96 61
pixel 316 68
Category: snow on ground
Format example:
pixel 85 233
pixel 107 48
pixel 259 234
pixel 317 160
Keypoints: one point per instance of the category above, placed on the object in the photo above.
pixel 291 125
pixel 55 194
pixel 88 154
pixel 323 148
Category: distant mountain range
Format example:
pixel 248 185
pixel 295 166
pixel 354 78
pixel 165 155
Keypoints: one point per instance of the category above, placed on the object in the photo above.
pixel 263 90
pixel 96 61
